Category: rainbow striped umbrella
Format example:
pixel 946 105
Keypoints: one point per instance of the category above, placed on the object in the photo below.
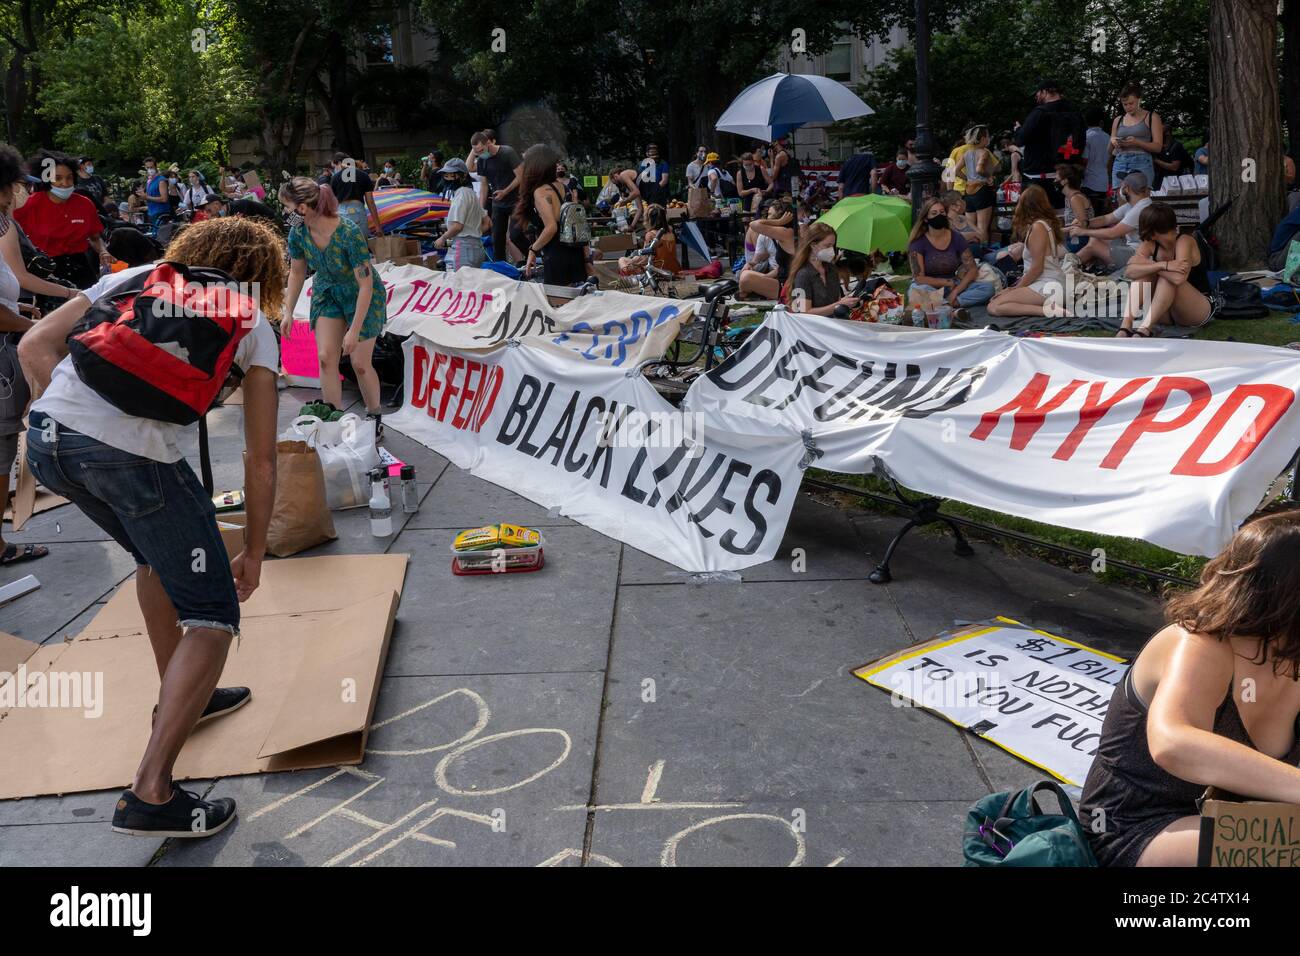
pixel 403 206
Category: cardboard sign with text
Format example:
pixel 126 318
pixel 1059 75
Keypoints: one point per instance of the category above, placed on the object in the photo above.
pixel 1248 833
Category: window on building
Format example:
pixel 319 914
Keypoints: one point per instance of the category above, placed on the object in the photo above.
pixel 377 44
pixel 839 61
pixel 839 148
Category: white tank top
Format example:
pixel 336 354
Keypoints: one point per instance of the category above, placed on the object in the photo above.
pixel 1052 270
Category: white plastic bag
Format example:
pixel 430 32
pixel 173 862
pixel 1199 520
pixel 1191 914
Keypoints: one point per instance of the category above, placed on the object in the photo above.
pixel 347 455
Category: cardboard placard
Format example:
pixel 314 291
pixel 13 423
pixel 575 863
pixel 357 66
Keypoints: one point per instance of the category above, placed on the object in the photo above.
pixel 298 356
pixel 1236 832
pixel 314 639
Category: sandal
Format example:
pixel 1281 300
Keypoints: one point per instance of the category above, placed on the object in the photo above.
pixel 29 552
pixel 1141 333
pixel 1124 333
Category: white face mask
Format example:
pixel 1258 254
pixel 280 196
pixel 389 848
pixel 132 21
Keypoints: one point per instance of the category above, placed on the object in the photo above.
pixel 90 170
pixel 62 192
pixel 827 254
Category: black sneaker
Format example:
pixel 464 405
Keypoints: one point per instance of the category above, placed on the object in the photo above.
pixel 378 419
pixel 184 816
pixel 225 700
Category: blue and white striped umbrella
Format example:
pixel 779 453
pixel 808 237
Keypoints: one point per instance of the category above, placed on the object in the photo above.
pixel 783 102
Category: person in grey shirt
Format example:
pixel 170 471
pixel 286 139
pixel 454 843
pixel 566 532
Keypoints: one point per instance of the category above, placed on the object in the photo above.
pixel 1096 152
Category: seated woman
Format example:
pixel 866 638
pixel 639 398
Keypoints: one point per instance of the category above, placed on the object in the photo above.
pixel 955 203
pixel 661 238
pixel 1041 288
pixel 814 284
pixel 767 285
pixel 1168 276
pixel 1078 207
pixel 941 260
pixel 1212 699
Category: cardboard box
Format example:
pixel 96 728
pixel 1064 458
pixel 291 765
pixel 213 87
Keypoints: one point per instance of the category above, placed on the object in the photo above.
pixel 676 212
pixel 391 248
pixel 1236 832
pixel 231 525
pixel 314 639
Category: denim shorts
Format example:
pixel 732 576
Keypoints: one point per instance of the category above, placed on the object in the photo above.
pixel 158 512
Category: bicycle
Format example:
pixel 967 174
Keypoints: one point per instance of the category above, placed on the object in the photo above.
pixel 706 337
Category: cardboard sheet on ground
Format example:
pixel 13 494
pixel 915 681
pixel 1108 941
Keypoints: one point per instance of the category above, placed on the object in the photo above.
pixel 26 497
pixel 1039 697
pixel 44 500
pixel 315 637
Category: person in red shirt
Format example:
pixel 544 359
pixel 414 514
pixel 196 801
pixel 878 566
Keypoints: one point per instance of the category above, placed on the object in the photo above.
pixel 62 223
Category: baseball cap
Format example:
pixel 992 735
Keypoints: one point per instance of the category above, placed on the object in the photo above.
pixel 711 158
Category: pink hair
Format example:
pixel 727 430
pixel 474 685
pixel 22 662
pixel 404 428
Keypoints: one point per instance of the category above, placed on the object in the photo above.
pixel 327 204
pixel 307 191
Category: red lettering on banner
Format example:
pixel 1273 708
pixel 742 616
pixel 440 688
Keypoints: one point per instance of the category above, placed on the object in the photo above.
pixel 418 286
pixel 487 398
pixel 1276 398
pixel 1146 421
pixel 1092 412
pixel 419 364
pixel 451 388
pixel 1029 413
pixel 438 359
pixel 468 392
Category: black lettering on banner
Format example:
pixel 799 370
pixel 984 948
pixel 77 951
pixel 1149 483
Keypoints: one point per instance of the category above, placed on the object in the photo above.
pixel 630 490
pixel 498 333
pixel 571 464
pixel 720 499
pixel 683 495
pixel 816 379
pixel 822 412
pixel 890 383
pixel 519 406
pixel 604 449
pixel 561 433
pixel 781 370
pixel 661 474
pixel 765 336
pixel 524 446
pixel 770 479
pixel 969 377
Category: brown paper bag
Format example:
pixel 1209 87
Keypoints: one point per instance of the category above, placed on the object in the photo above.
pixel 300 518
pixel 698 202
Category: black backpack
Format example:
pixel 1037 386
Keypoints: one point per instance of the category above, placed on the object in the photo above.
pixel 1240 300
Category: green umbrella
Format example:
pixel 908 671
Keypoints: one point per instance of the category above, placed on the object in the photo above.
pixel 870 223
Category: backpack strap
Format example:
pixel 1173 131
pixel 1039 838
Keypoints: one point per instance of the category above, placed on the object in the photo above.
pixel 1067 805
pixel 205 456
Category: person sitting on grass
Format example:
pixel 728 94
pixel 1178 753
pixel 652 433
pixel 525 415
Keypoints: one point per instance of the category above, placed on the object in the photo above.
pixel 1113 238
pixel 1167 276
pixel 1211 700
pixel 941 260
pixel 661 237
pixel 1041 288
pixel 814 284
pixel 777 227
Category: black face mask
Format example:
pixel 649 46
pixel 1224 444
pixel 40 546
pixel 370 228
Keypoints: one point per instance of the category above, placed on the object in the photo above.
pixel 937 222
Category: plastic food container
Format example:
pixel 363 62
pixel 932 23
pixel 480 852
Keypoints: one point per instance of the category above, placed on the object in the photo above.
pixel 498 560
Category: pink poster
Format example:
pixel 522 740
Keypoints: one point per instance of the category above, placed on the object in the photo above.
pixel 298 355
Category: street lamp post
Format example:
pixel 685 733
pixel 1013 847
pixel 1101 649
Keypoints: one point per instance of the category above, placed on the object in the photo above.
pixel 924 175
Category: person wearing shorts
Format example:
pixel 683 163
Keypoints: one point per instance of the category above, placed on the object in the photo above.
pixel 127 475
pixel 348 299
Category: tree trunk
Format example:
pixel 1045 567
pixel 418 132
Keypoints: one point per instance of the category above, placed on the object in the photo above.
pixel 338 94
pixel 15 96
pixel 1291 71
pixel 1245 127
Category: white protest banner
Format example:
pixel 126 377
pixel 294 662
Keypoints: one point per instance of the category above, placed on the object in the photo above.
pixel 1038 696
pixel 479 309
pixel 598 443
pixel 1171 441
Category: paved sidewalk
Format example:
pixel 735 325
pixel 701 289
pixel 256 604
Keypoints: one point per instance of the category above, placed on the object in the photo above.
pixel 604 710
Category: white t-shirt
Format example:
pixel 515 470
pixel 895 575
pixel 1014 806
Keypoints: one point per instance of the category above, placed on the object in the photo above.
pixel 74 404
pixel 466 209
pixel 1129 215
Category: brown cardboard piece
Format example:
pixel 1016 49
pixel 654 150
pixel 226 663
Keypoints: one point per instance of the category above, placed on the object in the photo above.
pixel 1236 832
pixel 44 501
pixel 315 637
pixel 231 525
pixel 26 498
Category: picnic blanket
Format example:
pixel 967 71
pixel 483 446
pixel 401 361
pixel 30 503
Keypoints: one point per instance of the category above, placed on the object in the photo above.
pixel 1061 325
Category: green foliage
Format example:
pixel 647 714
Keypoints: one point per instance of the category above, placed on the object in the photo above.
pixel 124 86
pixel 983 66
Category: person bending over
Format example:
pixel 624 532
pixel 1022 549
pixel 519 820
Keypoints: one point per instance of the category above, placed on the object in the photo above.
pixel 1211 700
pixel 128 476
pixel 1113 238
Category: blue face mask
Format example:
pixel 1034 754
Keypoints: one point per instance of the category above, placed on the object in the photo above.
pixel 62 192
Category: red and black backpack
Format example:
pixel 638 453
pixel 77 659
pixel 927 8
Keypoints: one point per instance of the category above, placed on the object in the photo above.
pixel 162 346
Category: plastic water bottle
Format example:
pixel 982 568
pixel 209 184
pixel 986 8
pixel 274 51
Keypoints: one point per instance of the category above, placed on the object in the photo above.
pixel 918 318
pixel 381 510
pixel 410 493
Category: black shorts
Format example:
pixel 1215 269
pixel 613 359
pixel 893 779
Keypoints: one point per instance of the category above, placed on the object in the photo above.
pixel 983 198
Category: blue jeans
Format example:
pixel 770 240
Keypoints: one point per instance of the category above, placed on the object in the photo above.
pixel 977 293
pixel 358 212
pixel 1126 163
pixel 158 512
